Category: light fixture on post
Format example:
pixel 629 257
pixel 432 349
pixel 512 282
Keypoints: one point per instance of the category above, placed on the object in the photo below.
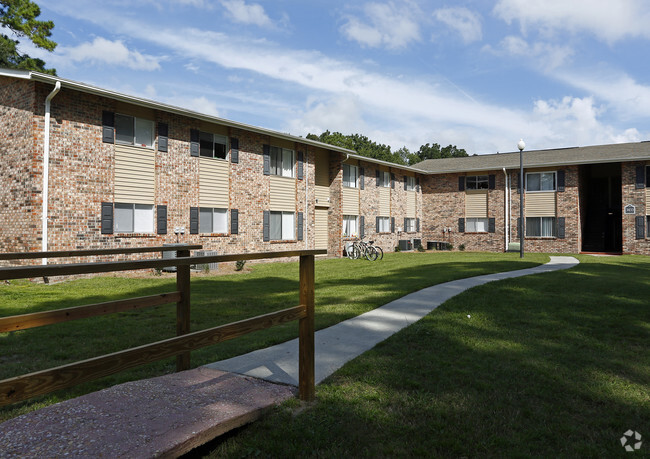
pixel 521 145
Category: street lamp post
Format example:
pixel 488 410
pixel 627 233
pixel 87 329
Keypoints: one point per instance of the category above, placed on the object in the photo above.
pixel 521 145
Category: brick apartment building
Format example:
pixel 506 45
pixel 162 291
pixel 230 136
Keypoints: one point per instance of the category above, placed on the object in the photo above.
pixel 85 167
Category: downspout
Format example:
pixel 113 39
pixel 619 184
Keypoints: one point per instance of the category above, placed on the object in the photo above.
pixel 305 220
pixel 507 219
pixel 46 165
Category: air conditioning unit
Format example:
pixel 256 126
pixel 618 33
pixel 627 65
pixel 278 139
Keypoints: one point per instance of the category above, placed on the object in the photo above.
pixel 167 255
pixel 417 243
pixel 405 244
pixel 208 266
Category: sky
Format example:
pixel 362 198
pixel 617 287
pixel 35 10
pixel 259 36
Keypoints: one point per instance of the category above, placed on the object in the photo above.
pixel 477 74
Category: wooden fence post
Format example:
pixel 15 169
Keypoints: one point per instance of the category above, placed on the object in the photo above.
pixel 306 383
pixel 183 308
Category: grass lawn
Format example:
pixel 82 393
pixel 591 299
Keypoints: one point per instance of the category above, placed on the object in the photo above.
pixel 552 365
pixel 344 288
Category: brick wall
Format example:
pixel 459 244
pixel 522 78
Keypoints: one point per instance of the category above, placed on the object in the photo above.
pixel 20 194
pixel 636 197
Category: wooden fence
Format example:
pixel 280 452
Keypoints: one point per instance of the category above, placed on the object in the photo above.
pixel 26 386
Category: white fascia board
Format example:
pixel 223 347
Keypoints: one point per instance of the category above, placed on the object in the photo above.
pixel 386 163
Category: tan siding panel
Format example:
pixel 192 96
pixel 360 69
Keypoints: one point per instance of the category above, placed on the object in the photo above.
pixel 320 236
pixel 384 202
pixel 540 204
pixel 350 205
pixel 322 169
pixel 476 204
pixel 214 184
pixel 135 174
pixel 322 194
pixel 283 193
pixel 410 204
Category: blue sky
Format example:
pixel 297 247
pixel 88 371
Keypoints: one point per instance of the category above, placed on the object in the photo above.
pixel 478 74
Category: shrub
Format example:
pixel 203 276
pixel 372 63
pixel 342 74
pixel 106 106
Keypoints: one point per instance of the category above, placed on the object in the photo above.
pixel 397 249
pixel 461 247
pixel 239 265
pixel 450 246
pixel 421 249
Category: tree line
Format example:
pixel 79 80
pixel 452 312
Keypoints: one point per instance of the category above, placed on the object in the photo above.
pixel 366 147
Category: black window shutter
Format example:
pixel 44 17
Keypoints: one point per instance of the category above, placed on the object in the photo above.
pixel 163 132
pixel 461 225
pixel 640 227
pixel 640 177
pixel 362 178
pixel 161 219
pixel 492 179
pixel 519 228
pixel 265 226
pixel 267 160
pixel 107 218
pixel 194 220
pixel 300 165
pixel 405 182
pixel 377 177
pixel 561 177
pixel 194 143
pixel 417 225
pixel 461 183
pixel 376 224
pixel 234 150
pixel 561 228
pixel 492 226
pixel 392 181
pixel 300 224
pixel 362 229
pixel 234 221
pixel 405 220
pixel 108 127
pixel 392 224
pixel 417 184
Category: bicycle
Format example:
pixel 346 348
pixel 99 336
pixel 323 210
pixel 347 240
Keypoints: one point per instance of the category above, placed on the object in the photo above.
pixel 365 249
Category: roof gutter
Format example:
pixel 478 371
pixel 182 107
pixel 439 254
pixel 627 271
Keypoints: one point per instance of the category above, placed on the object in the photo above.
pixel 46 166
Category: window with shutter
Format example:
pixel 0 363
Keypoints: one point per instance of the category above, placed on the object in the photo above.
pixel 163 131
pixel 234 221
pixel 161 219
pixel 234 150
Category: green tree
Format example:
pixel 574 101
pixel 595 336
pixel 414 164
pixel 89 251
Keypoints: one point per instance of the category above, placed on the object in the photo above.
pixel 20 16
pixel 361 144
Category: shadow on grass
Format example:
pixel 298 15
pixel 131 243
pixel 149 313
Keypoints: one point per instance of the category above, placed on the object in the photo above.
pixel 551 365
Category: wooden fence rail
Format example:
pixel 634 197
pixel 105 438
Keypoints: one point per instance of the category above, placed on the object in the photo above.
pixel 30 385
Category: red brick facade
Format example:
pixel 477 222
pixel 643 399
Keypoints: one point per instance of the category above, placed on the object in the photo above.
pixel 82 177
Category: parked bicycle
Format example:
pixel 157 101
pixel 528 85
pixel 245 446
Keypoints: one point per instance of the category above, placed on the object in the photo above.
pixel 364 249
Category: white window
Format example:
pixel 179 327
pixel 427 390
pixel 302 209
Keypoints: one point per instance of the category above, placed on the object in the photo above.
pixel 383 224
pixel 350 176
pixel 130 130
pixel 213 145
pixel 213 220
pixel 281 226
pixel 350 226
pixel 540 226
pixel 410 183
pixel 476 182
pixel 540 181
pixel 133 218
pixel 476 225
pixel 384 179
pixel 410 225
pixel 282 161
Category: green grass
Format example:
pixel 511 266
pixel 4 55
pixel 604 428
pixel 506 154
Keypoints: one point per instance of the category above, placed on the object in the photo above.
pixel 552 365
pixel 344 289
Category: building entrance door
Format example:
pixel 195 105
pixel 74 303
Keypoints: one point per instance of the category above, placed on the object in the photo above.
pixel 601 202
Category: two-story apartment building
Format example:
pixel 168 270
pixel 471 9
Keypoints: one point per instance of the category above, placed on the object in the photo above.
pixel 86 167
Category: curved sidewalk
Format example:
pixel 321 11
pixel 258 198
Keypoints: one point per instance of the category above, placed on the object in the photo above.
pixel 344 341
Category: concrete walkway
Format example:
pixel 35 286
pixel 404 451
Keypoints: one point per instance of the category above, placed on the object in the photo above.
pixel 169 415
pixel 342 342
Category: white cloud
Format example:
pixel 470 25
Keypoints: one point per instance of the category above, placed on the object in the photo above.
pixel 544 56
pixel 244 13
pixel 103 51
pixel 341 113
pixel 391 25
pixel 464 21
pixel 608 20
